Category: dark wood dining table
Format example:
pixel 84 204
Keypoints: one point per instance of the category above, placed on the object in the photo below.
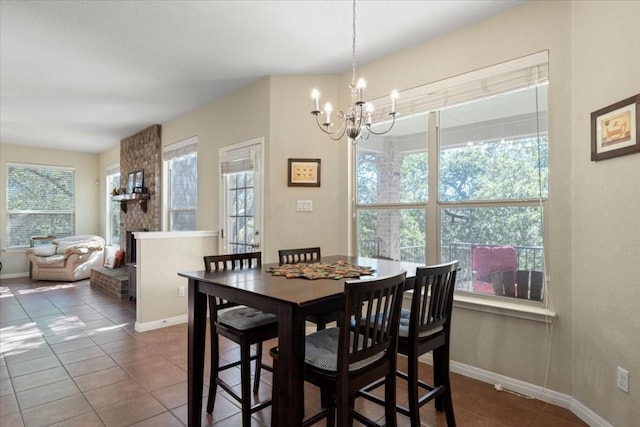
pixel 291 300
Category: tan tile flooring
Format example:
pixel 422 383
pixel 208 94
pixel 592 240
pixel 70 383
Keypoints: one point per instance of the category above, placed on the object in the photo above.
pixel 70 357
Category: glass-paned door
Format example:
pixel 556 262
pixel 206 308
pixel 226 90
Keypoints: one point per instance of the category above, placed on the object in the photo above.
pixel 240 168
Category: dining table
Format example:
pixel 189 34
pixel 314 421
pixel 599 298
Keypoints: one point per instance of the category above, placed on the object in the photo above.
pixel 291 299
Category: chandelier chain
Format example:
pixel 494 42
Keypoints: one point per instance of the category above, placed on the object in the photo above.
pixel 353 54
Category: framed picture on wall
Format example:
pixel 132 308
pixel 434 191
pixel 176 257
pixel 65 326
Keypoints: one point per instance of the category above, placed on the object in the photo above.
pixel 614 129
pixel 130 182
pixel 304 173
pixel 138 182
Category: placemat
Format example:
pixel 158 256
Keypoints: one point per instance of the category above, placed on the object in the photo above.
pixel 318 270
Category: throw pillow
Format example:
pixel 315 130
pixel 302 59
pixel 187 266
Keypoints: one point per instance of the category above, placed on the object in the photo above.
pixel 44 250
pixel 110 256
pixel 119 259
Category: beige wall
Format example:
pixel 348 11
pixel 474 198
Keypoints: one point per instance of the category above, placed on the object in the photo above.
pixel 593 229
pixel 158 303
pixel 293 134
pixel 240 117
pixel 512 347
pixel 605 238
pixel 87 193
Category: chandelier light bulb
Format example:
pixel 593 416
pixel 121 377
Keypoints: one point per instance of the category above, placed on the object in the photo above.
pixel 360 86
pixel 327 111
pixel 394 98
pixel 315 95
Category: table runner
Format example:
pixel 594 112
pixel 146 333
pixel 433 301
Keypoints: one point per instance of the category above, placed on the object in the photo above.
pixel 318 270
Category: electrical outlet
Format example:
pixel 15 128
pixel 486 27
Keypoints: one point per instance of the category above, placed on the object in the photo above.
pixel 623 379
pixel 180 291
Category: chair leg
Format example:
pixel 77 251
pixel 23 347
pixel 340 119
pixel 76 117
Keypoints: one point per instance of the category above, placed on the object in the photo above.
pixel 274 387
pixel 441 377
pixel 256 380
pixel 342 411
pixel 413 390
pixel 215 358
pixel 390 401
pixel 327 402
pixel 440 373
pixel 245 386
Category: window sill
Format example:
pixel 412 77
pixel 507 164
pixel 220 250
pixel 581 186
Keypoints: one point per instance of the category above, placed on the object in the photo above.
pixel 520 309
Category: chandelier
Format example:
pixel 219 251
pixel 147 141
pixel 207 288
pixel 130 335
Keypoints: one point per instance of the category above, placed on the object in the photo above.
pixel 358 115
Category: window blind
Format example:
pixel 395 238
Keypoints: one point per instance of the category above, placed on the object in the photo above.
pixel 504 77
pixel 112 169
pixel 236 161
pixel 180 149
pixel 40 201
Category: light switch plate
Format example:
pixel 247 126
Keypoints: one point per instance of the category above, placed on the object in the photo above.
pixel 304 205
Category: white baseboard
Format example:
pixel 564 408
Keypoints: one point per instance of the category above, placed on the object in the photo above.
pixel 162 323
pixel 527 389
pixel 13 275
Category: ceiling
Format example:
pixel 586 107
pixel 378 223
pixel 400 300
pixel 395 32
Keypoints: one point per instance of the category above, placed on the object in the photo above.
pixel 82 75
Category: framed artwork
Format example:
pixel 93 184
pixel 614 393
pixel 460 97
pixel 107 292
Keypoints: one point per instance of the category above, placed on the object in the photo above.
pixel 130 181
pixel 304 173
pixel 614 129
pixel 138 181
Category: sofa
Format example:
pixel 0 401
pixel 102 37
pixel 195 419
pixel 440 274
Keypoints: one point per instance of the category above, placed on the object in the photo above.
pixel 67 259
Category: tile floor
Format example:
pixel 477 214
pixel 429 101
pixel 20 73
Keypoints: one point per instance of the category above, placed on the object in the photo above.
pixel 70 357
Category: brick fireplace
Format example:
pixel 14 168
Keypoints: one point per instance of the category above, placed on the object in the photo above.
pixel 141 151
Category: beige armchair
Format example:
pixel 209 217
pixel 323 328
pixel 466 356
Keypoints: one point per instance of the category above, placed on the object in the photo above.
pixel 67 259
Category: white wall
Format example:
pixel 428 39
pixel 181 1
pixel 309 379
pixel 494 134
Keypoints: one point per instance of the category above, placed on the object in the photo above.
pixel 87 193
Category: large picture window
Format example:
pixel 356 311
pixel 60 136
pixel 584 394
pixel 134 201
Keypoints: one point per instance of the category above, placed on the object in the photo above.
pixel 40 202
pixel 488 165
pixel 181 185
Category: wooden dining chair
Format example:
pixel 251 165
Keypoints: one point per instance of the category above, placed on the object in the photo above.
pixel 294 256
pixel 424 328
pixel 308 255
pixel 341 361
pixel 244 326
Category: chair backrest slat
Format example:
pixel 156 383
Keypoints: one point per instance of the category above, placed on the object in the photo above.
pixel 218 263
pixel 232 261
pixel 301 255
pixel 374 304
pixel 432 301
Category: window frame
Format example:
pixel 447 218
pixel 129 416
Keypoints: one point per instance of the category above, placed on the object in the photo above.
pixel 434 206
pixel 190 145
pixel 9 211
pixel 111 206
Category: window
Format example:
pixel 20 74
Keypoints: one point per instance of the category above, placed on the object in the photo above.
pixel 40 201
pixel 487 162
pixel 181 185
pixel 392 194
pixel 113 208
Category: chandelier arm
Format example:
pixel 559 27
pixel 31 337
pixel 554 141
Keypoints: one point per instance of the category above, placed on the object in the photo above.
pixel 339 137
pixel 340 130
pixel 393 122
